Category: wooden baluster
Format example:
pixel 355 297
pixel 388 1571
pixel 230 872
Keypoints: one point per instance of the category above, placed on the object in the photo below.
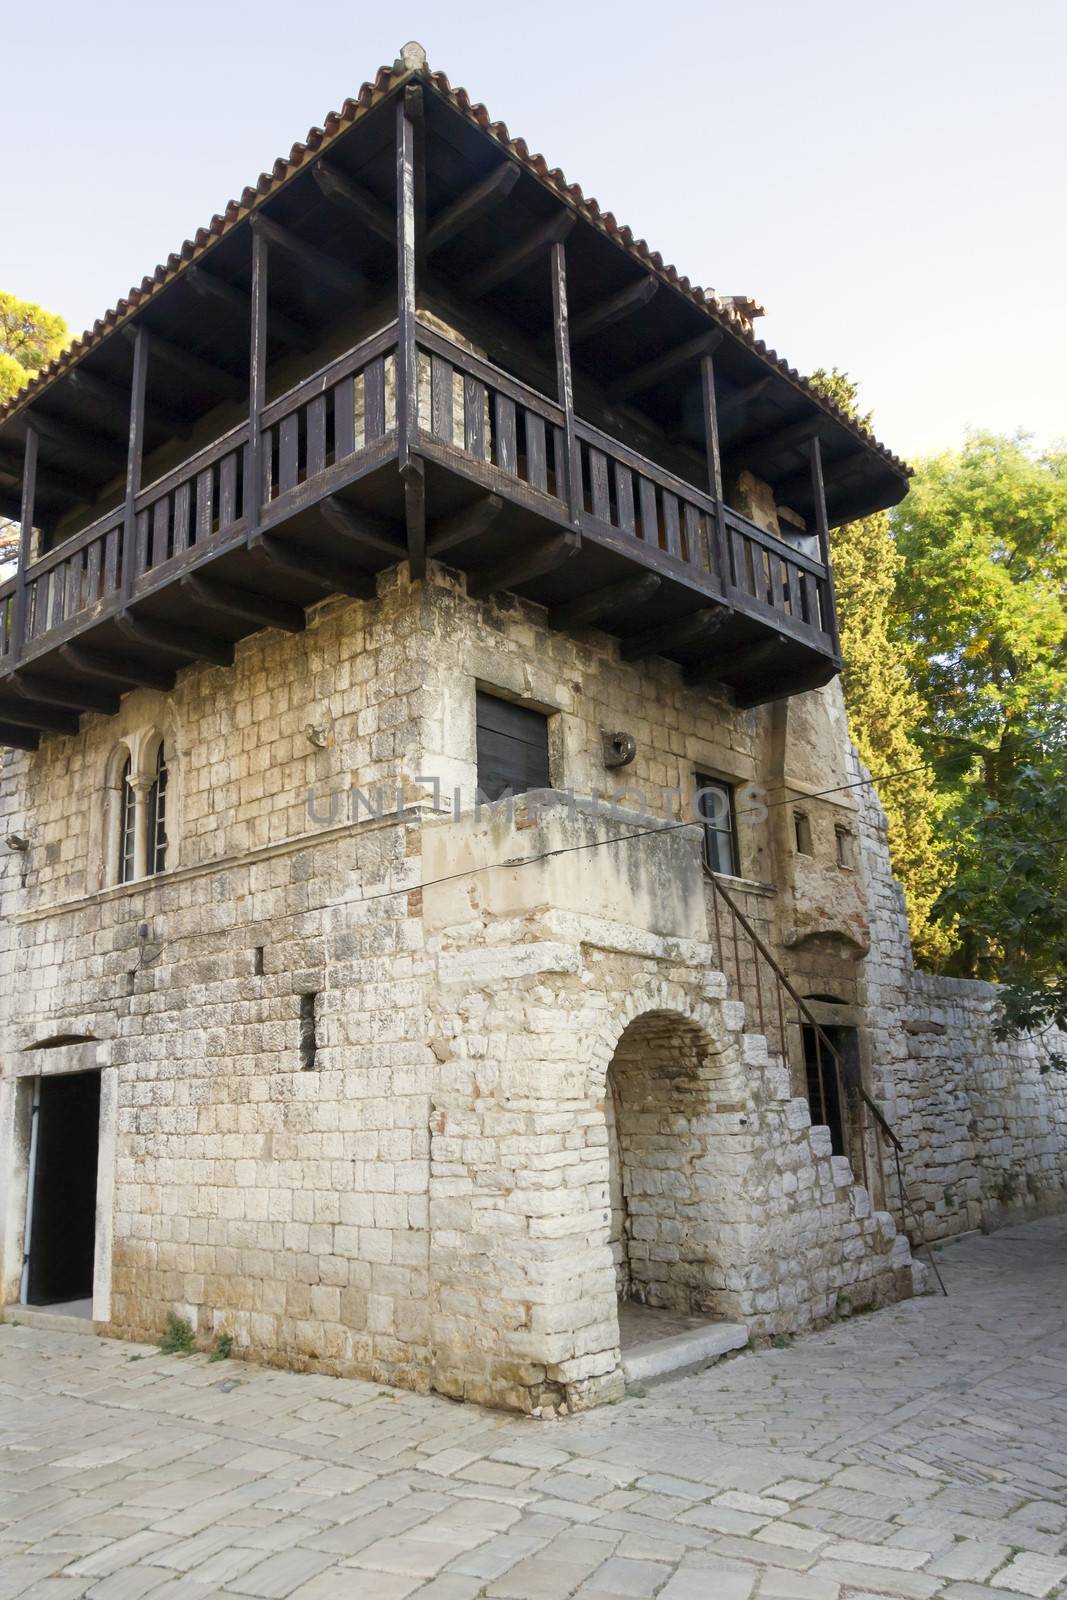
pixel 72 600
pixel 57 578
pixel 374 401
pixel 441 399
pixel 29 491
pixel 92 571
pixel 344 426
pixel 507 458
pixel 624 498
pixel 695 553
pixel 257 469
pixel 316 436
pixel 536 452
pixel 160 530
pixel 565 381
pixel 649 512
pixel 134 458
pixel 474 417
pixel 671 526
pixel 182 506
pixel 205 512
pixel 112 559
pixel 288 453
pixel 228 490
pixel 598 485
pixel 140 544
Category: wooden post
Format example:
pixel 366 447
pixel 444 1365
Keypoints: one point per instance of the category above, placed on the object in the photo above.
pixel 565 380
pixel 257 384
pixel 408 196
pixel 29 493
pixel 134 455
pixel 714 460
pixel 818 490
pixel 407 396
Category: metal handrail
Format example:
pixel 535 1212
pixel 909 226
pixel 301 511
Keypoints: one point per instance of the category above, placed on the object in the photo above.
pixel 822 1043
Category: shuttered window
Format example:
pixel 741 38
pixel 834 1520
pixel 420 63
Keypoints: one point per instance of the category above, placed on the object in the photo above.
pixel 512 748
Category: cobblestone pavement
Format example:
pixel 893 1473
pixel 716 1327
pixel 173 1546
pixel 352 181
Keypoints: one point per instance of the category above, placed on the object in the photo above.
pixel 918 1452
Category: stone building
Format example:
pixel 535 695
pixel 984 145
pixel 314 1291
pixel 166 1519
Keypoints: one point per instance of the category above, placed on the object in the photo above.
pixel 440 903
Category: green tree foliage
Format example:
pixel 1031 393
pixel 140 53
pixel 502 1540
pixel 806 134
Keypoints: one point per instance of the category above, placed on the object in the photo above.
pixel 885 709
pixel 981 604
pixel 1010 887
pixel 29 339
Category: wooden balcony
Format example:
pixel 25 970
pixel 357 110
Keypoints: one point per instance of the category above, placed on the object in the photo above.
pixel 628 547
pixel 556 420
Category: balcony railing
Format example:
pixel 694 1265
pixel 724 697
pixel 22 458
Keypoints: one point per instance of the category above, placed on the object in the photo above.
pixel 479 426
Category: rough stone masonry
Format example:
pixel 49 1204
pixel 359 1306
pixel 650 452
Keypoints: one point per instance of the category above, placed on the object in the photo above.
pixel 535 1080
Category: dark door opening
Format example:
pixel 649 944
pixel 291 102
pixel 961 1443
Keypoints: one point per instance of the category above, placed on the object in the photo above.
pixel 63 1202
pixel 824 1091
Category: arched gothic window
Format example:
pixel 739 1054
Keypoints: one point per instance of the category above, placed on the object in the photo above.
pixel 125 866
pixel 157 815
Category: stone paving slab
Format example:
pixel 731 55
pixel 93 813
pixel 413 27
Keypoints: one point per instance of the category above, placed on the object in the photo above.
pixel 919 1453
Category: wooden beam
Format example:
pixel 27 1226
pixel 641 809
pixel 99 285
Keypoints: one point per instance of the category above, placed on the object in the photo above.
pixel 777 441
pixel 724 666
pixel 258 339
pixel 407 397
pixel 711 426
pixel 510 262
pixel 613 309
pixel 127 671
pixel 360 528
pixel 735 403
pixel 664 366
pixel 18 738
pixel 836 473
pixel 471 204
pixel 106 453
pixel 191 366
pixel 46 719
pixel 565 382
pixel 532 562
pixel 115 402
pixel 684 630
pixel 413 477
pixel 466 523
pixel 134 459
pixel 306 563
pixel 326 266
pixel 822 529
pixel 245 605
pixel 51 481
pixel 179 641
pixel 76 696
pixel 283 328
pixel 26 509
pixel 337 186
pixel 606 601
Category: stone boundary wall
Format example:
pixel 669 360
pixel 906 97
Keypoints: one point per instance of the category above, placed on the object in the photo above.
pixel 984 1130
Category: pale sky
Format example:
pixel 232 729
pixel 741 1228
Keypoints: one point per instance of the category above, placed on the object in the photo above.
pixel 888 179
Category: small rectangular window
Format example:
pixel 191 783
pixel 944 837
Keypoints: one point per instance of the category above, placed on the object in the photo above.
pixel 715 808
pixel 309 1039
pixel 844 846
pixel 512 747
pixel 802 832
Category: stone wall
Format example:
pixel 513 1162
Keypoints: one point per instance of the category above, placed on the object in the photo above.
pixel 429 1204
pixel 984 1130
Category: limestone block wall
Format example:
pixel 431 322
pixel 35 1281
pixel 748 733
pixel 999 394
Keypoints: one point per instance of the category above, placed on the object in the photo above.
pixel 984 1130
pixel 735 1206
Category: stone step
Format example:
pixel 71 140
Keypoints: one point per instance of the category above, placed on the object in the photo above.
pixel 682 1352
pixel 42 1317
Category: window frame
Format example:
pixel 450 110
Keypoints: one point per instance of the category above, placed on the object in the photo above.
pixel 705 784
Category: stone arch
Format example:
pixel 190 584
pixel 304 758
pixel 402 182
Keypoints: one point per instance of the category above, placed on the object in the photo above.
pixel 676 1125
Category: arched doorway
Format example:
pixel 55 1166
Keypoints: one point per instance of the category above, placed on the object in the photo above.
pixel 666 1179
